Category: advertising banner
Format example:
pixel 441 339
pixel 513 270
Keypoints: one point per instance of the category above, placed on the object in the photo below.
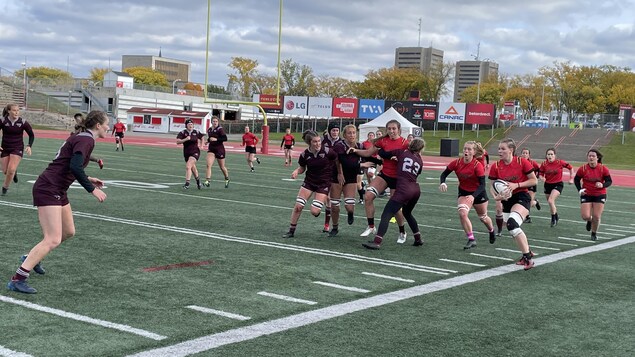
pixel 320 107
pixel 345 107
pixel 453 113
pixel 268 108
pixel 423 111
pixel 482 113
pixel 295 105
pixel 370 108
pixel 402 107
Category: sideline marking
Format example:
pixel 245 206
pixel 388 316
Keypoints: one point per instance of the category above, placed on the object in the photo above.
pixel 547 248
pixel 460 262
pixel 491 256
pixel 586 235
pixel 550 242
pixel 246 333
pixel 579 240
pixel 614 234
pixel 7 352
pixel 388 277
pixel 90 320
pixel 178 265
pixel 219 313
pixel 287 298
pixel 508 250
pixel 337 286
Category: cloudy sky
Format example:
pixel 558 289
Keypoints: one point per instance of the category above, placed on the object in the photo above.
pixel 334 37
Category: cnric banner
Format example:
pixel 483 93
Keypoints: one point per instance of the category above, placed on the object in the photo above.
pixel 453 113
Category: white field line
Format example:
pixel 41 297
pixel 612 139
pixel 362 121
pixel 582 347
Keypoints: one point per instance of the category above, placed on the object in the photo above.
pixel 629 231
pixel 460 262
pixel 287 298
pixel 508 250
pixel 265 328
pixel 219 313
pixel 491 257
pixel 8 353
pixel 547 248
pixel 587 235
pixel 578 240
pixel 388 277
pixel 276 245
pixel 77 317
pixel 613 234
pixel 343 287
pixel 550 242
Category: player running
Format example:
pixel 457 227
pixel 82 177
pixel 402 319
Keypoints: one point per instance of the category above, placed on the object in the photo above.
pixel 216 151
pixel 551 172
pixel 249 142
pixel 190 138
pixel 592 179
pixel 118 131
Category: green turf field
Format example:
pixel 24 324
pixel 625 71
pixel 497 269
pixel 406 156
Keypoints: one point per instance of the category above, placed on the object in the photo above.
pixel 96 298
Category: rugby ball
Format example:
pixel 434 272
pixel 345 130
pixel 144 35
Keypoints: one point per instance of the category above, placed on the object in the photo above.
pixel 499 186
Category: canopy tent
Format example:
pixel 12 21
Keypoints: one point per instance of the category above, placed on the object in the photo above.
pixel 380 123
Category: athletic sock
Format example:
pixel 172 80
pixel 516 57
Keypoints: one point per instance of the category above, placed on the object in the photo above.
pixel 361 192
pixel 371 222
pixel 327 216
pixel 21 274
pixel 378 240
pixel 499 223
pixel 402 229
pixel 470 236
pixel 417 236
pixel 292 228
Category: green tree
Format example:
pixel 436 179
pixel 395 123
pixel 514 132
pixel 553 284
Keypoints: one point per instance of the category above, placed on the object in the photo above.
pixel 144 75
pixel 47 76
pixel 296 79
pixel 327 86
pixel 390 83
pixel 244 75
pixel 97 74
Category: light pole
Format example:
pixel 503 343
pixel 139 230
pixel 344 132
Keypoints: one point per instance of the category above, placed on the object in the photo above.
pixel 68 109
pixel 26 92
pixel 174 85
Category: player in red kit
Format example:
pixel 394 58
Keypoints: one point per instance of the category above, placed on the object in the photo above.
pixel 288 141
pixel 551 172
pixel 190 138
pixel 387 178
pixel 519 175
pixel 592 179
pixel 405 195
pixel 472 193
pixel 13 128
pixel 249 142
pixel 532 190
pixel 51 199
pixel 118 131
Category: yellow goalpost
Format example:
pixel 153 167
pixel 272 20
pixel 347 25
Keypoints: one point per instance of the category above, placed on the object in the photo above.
pixel 265 127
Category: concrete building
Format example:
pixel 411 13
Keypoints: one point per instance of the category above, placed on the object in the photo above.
pixel 418 57
pixel 469 73
pixel 172 68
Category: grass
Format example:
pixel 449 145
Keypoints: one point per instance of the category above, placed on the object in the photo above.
pixel 47 103
pixel 618 155
pixel 576 306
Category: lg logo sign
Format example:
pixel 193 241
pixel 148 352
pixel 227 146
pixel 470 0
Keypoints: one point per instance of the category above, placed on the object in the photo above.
pixel 290 105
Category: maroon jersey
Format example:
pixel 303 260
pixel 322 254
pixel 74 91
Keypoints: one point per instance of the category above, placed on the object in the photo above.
pixel 385 142
pixel 190 147
pixel 12 134
pixel 249 139
pixel 218 133
pixel 552 171
pixel 591 175
pixel 516 171
pixel 58 173
pixel 468 173
pixel 409 166
pixel 350 162
pixel 317 167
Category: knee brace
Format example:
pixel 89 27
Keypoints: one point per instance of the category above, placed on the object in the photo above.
pixel 300 201
pixel 372 190
pixel 335 202
pixel 317 204
pixel 513 224
pixel 462 206
pixel 349 201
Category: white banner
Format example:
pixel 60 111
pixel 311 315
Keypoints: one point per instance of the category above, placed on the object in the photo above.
pixel 294 105
pixel 452 113
pixel 320 107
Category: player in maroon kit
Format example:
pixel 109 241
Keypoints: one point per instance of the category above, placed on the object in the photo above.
pixel 519 175
pixel 595 178
pixel 79 118
pixel 288 141
pixel 13 128
pixel 249 142
pixel 406 193
pixel 533 189
pixel 472 193
pixel 551 171
pixel 191 139
pixel 387 178
pixel 314 163
pixel 118 131
pixel 216 136
pixel 50 195
pixel 331 137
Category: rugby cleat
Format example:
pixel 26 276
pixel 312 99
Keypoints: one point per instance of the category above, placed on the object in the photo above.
pixel 333 232
pixel 37 268
pixel 471 243
pixel 417 243
pixel 288 235
pixel 206 183
pixel 528 264
pixel 226 183
pixel 371 245
pixel 492 237
pixel 186 186
pixel 402 238
pixel 369 230
pixel 594 237
pixel 351 218
pixel 20 286
pixel 588 223
pixel 521 261
pixel 326 229
pixel 15 177
pixel 537 205
pixel 258 160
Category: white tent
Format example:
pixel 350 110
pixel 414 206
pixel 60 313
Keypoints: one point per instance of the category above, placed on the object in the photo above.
pixel 380 123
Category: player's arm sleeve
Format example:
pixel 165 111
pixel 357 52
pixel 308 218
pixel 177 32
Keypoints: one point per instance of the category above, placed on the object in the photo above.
pixel 486 158
pixel 577 181
pixel 444 175
pixel 481 186
pixel 29 132
pixel 222 137
pixel 387 154
pixel 77 169
pixel 608 181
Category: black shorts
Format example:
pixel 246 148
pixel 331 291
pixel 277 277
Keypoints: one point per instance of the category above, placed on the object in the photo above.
pixel 521 198
pixel 12 151
pixel 119 135
pixel 558 186
pixel 390 181
pixel 250 149
pixel 482 198
pixel 533 188
pixel 288 147
pixel 593 199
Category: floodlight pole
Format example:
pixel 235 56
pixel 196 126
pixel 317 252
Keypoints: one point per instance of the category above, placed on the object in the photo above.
pixel 174 85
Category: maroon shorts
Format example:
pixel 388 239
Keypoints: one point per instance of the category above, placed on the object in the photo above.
pixel 46 195
pixel 12 151
pixel 195 155
pixel 317 189
pixel 218 151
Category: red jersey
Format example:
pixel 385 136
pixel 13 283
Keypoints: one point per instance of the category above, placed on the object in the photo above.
pixel 535 166
pixel 249 139
pixel 591 175
pixel 552 171
pixel 516 171
pixel 385 142
pixel 468 173
pixel 288 139
pixel 119 128
pixel 483 159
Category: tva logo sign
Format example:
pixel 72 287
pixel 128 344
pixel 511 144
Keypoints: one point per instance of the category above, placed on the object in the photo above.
pixel 371 108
